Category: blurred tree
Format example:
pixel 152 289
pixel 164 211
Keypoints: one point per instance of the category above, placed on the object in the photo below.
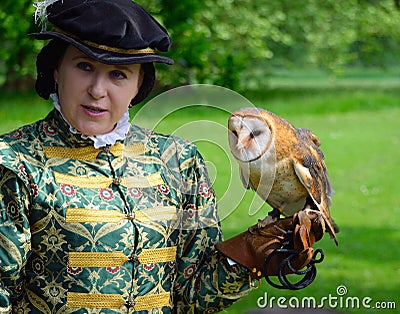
pixel 378 35
pixel 189 41
pixel 18 50
pixel 237 43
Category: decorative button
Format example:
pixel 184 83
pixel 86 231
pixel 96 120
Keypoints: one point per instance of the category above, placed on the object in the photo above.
pixel 130 303
pixel 117 181
pixel 133 257
pixel 130 216
pixel 106 148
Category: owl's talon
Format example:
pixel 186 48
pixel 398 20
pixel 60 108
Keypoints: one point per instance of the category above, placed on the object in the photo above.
pixel 262 223
pixel 272 217
pixel 251 230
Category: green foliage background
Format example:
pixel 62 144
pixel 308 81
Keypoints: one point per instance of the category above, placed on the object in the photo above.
pixel 237 43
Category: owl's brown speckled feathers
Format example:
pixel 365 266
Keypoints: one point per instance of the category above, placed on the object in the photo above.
pixel 283 164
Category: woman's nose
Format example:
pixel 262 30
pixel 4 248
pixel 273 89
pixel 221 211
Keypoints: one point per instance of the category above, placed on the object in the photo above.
pixel 98 87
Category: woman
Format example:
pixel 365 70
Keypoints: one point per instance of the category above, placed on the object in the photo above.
pixel 99 216
pixel 79 231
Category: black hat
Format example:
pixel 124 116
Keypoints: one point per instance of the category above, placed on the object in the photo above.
pixel 108 31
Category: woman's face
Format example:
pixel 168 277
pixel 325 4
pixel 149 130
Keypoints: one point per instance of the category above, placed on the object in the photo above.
pixel 94 96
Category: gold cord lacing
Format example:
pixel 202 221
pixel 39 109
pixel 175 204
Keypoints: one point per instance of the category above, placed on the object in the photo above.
pixel 90 153
pixel 101 182
pixel 88 215
pixel 115 259
pixel 116 301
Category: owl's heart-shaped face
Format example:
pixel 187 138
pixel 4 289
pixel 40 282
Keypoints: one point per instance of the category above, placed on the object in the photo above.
pixel 249 137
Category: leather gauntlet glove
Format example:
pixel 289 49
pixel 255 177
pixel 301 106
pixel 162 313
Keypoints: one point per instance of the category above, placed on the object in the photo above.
pixel 280 248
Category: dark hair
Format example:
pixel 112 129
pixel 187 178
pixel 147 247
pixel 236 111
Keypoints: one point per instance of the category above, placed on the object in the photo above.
pixel 147 84
pixel 46 62
pixel 49 58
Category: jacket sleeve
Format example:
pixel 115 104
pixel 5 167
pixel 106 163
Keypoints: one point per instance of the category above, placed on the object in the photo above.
pixel 206 283
pixel 14 236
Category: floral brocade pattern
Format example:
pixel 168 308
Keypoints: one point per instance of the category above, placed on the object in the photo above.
pixel 130 230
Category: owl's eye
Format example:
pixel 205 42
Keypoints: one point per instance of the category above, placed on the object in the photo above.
pixel 255 133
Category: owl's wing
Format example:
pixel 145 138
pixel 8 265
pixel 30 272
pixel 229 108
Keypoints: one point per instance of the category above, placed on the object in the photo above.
pixel 246 180
pixel 311 170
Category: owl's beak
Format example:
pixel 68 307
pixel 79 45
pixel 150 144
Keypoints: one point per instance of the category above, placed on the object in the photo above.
pixel 243 142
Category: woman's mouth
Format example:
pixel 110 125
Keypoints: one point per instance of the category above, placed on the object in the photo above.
pixel 93 110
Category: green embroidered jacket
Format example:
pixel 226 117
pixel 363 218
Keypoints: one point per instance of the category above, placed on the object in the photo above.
pixel 126 228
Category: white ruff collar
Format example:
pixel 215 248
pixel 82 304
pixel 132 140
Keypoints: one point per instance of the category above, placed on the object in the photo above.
pixel 101 140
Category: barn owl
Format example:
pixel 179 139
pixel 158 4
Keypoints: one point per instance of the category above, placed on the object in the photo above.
pixel 283 164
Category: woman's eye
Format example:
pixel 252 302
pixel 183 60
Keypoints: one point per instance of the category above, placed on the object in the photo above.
pixel 118 75
pixel 84 66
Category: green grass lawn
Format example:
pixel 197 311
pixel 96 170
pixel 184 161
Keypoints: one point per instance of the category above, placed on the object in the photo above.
pixel 359 130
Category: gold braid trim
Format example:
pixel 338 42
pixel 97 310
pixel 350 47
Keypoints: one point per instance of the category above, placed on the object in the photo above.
pixel 99 182
pixel 152 301
pixel 107 48
pixel 117 149
pixel 96 259
pixel 76 215
pixel 134 150
pixel 96 301
pixel 93 182
pixel 90 153
pixel 115 259
pixel 161 255
pixel 153 179
pixel 87 215
pixel 115 301
pixel 159 213
pixel 82 153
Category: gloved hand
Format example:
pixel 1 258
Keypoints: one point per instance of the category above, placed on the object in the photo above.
pixel 280 248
